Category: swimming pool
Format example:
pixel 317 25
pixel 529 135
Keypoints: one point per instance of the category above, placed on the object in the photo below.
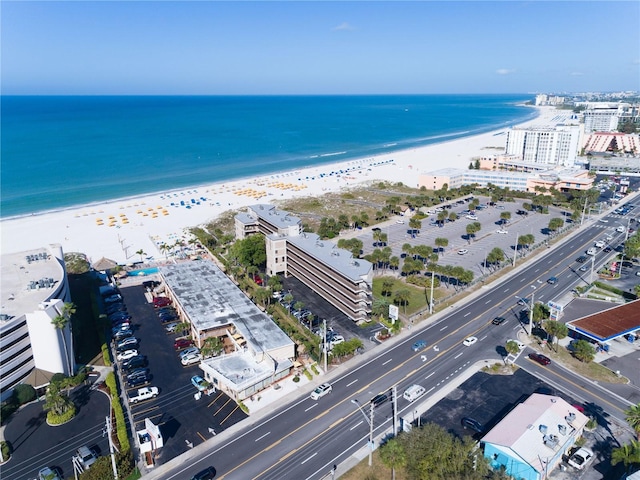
pixel 142 272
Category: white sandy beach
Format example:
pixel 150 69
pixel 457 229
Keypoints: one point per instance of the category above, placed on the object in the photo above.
pixel 118 229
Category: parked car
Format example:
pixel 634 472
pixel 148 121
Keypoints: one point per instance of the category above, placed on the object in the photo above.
pixel 121 334
pixel 498 321
pixel 191 359
pixel 258 280
pixel 138 381
pixel 142 394
pixel 541 359
pixel 127 354
pixel 469 341
pixel 379 399
pixel 182 343
pixel 189 350
pixel 113 299
pixel 86 457
pixel 463 251
pixel 171 327
pixel 115 307
pixel 504 232
pixel 133 363
pixel 127 342
pixel 168 317
pixel 419 345
pixel 580 458
pixel 161 302
pixel 47 473
pixel 200 383
pixel 321 391
pixel 471 424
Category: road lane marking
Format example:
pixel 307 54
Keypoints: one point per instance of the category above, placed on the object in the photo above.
pixel 390 360
pixel 356 425
pixel 482 338
pixel 355 381
pixel 429 375
pixel 308 458
pixel 467 314
pixel 312 406
pixel 260 438
pixel 444 328
pixel 488 301
pixel 459 355
pixel 536 270
pixel 505 291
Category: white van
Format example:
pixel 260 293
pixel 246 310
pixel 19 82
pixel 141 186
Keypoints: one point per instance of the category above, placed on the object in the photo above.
pixel 413 392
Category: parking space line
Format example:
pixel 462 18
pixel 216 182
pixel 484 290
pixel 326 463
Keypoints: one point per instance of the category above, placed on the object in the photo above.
pixel 228 416
pixel 215 399
pixel 223 405
pixel 200 435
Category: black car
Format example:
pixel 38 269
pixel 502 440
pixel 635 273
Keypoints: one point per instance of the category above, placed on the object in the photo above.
pixel 166 310
pixel 498 321
pixel 122 334
pixel 116 307
pixel 379 399
pixel 522 212
pixel 471 424
pixel 581 259
pixel 139 361
pixel 206 474
pixel 606 249
pixel 138 381
pixel 138 372
pixel 151 284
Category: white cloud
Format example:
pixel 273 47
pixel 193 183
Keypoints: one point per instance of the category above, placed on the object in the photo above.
pixel 343 26
pixel 505 71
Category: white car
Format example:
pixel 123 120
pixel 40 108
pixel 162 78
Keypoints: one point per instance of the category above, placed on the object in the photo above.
pixel 604 220
pixel 504 232
pixel 191 359
pixel 620 229
pixel 400 221
pixel 127 354
pixel 600 244
pixel 171 327
pixel 336 339
pixel 321 391
pixel 469 341
pixel 517 342
pixel 580 458
pixel 145 393
pixel 471 217
pixel 463 251
pixel 592 251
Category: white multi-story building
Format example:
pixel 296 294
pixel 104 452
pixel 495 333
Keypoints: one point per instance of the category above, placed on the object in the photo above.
pixel 557 146
pixel 34 289
pixel 607 117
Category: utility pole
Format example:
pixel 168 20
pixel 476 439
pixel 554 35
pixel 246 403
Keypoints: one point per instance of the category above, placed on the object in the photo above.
pixel 324 340
pixel 433 274
pixel 515 250
pixel 583 210
pixel 531 312
pixel 113 457
pixel 395 411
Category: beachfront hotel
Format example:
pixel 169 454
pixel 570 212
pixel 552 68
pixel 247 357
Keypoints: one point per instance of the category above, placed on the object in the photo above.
pixel 256 351
pixel 607 116
pixel 331 272
pixel 34 288
pixel 551 146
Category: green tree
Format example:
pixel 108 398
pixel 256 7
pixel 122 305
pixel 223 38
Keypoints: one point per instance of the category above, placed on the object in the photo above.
pixel 262 296
pixel 60 322
pixel 212 347
pixel 505 217
pixel 627 454
pixel 387 286
pixel 415 224
pixel 555 224
pixel 56 401
pixel 142 253
pixel 401 297
pixel 183 327
pixel 632 246
pixel 632 416
pixel 557 331
pixel 512 347
pixel 250 251
pixel 441 243
pixel 380 307
pixel 472 229
pixel 274 283
pixel 584 351
pixel 392 455
pixel 298 306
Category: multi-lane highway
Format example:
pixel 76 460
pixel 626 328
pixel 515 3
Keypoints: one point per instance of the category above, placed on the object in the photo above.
pixel 304 438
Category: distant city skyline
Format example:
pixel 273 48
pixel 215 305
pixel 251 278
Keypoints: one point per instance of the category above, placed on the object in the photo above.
pixel 272 48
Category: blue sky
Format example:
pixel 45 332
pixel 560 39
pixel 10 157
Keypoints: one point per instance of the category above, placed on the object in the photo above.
pixel 332 47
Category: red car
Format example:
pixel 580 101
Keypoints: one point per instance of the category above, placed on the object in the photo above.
pixel 181 343
pixel 258 280
pixel 161 302
pixel 541 359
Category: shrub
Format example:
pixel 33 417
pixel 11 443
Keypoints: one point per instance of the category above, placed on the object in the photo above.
pixel 105 355
pixel 243 407
pixel 24 393
pixel 6 450
pixel 58 378
pixel 54 419
pixel 307 373
pixel 314 368
pixel 296 378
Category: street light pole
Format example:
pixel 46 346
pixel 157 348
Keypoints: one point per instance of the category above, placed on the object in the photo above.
pixel 515 250
pixel 370 422
pixel 531 311
pixel 433 274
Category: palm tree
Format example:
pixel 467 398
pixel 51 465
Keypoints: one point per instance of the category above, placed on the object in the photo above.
pixel 402 297
pixel 392 454
pixel 60 322
pixel 212 346
pixel 183 327
pixel 633 417
pixel 512 348
pixel 141 252
pixel 628 454
pixel 387 285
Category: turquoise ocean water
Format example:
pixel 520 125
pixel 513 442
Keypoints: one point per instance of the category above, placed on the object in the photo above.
pixel 58 152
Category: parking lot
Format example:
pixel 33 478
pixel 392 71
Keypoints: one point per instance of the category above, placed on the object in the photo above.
pixel 488 398
pixel 184 421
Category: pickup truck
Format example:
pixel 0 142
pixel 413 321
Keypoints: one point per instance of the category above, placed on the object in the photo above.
pixel 145 393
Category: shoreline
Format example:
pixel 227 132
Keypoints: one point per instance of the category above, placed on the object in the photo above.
pixel 143 222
